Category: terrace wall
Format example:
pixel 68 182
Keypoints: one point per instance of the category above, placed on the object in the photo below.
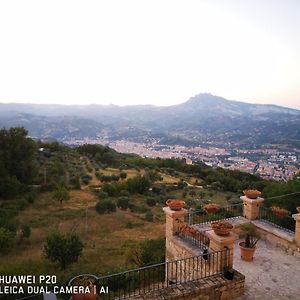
pixel 211 288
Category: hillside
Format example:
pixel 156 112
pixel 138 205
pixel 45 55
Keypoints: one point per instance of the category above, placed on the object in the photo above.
pixel 203 119
pixel 112 201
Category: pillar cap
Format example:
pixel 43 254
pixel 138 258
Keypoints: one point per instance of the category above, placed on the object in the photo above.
pixel 174 213
pixel 248 200
pixel 296 217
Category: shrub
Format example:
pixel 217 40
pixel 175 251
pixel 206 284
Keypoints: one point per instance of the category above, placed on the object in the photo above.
pixel 123 202
pixel 75 181
pixel 31 197
pixel 148 252
pixel 6 240
pixel 150 201
pixel 60 194
pixel 102 195
pixel 149 216
pixel 124 193
pixel 105 206
pixel 123 175
pixel 10 187
pixel 64 249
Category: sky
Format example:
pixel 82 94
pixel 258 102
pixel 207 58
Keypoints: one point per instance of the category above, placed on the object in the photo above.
pixel 159 52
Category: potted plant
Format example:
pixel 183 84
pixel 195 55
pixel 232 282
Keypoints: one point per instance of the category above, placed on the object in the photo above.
pixel 86 280
pixel 221 228
pixel 279 212
pixel 252 193
pixel 211 208
pixel 248 247
pixel 175 204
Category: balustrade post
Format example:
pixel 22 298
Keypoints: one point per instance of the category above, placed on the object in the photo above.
pixel 251 207
pixel 297 228
pixel 220 243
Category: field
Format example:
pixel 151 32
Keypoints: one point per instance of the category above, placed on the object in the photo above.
pixel 106 238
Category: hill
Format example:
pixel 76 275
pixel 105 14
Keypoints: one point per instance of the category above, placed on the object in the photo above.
pixel 203 119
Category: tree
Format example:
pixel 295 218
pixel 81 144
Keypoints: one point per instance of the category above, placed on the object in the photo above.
pixel 148 252
pixel 61 194
pixel 17 155
pixel 123 202
pixel 63 249
pixel 6 240
pixel 105 206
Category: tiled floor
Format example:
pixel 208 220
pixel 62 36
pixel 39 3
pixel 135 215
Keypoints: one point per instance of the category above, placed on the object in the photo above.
pixel 272 275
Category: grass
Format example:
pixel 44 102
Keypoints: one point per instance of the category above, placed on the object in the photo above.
pixel 106 238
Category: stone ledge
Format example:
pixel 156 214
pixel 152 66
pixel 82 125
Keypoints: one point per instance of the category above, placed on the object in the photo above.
pixel 211 288
pixel 274 230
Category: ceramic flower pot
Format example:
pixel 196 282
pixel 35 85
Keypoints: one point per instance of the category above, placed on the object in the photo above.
pixel 175 204
pixel 252 194
pixel 246 253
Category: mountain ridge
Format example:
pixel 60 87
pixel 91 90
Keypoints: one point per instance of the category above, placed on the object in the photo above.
pixel 203 119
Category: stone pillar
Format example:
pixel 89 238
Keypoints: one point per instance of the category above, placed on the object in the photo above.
pixel 219 243
pixel 297 228
pixel 251 207
pixel 171 224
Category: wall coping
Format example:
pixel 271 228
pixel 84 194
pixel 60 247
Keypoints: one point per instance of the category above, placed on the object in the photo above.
pixel 212 287
pixel 274 230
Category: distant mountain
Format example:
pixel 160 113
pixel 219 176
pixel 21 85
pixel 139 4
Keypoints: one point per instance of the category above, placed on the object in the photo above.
pixel 203 119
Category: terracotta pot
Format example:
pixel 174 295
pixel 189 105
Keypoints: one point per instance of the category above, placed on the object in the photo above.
pixel 221 231
pixel 175 204
pixel 92 288
pixel 252 194
pixel 211 208
pixel 90 296
pixel 246 253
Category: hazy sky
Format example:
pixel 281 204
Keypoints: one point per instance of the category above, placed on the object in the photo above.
pixel 158 52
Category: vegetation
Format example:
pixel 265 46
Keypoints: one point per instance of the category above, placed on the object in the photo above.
pixel 113 216
pixel 64 249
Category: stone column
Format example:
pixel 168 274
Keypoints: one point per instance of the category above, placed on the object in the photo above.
pixel 219 243
pixel 171 224
pixel 251 207
pixel 174 251
pixel 297 228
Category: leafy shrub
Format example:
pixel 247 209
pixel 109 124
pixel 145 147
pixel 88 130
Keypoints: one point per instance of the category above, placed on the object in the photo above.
pixel 102 195
pixel 148 252
pixel 105 206
pixel 61 194
pixel 123 175
pixel 149 216
pixel 150 201
pixel 123 202
pixel 124 193
pixel 6 240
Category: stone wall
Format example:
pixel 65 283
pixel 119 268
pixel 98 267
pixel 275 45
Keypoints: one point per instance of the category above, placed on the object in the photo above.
pixel 211 288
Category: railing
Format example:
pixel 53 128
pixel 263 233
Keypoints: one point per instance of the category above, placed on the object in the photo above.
pixel 226 212
pixel 285 222
pixel 155 277
pixel 192 235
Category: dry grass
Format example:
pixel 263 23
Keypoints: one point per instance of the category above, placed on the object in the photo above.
pixel 106 238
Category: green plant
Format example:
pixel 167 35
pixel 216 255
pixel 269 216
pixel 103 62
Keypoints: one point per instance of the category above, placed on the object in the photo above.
pixel 149 216
pixel 123 202
pixel 64 249
pixel 6 240
pixel 251 237
pixel 61 193
pixel 105 206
